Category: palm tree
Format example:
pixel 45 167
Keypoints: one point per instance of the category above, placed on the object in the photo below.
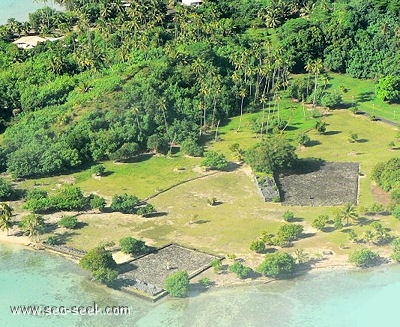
pixel 349 212
pixel 242 94
pixel 32 225
pixel 5 217
pixel 308 68
pixel 316 69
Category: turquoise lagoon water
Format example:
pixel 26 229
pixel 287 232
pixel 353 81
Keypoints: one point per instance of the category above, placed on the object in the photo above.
pixel 20 9
pixel 341 298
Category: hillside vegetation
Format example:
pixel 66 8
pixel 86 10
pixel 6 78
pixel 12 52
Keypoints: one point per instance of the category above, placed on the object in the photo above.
pixel 126 80
pixel 163 118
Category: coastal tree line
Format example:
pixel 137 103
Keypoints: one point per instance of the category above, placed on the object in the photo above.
pixel 130 79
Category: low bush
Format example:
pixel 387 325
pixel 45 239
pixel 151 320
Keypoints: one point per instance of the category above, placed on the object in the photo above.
pixel 258 246
pixel 177 284
pixel 191 148
pixel 69 222
pixel 240 270
pixel 277 264
pixel 130 245
pixel 124 203
pixel 364 258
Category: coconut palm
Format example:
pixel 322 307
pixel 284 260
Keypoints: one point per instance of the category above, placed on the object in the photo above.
pixel 32 225
pixel 5 217
pixel 349 212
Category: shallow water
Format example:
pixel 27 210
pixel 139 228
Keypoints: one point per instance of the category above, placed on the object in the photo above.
pixel 20 9
pixel 340 298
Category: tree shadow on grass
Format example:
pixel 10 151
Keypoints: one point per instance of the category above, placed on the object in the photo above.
pixel 65 237
pixel 313 143
pixel 232 166
pixel 139 158
pixel 365 96
pixel 307 235
pixel 364 221
pixel 306 165
pixel 328 229
pixel 332 132
pixel 201 221
pixel 156 214
pixel 80 225
pixel 296 220
pixel 362 141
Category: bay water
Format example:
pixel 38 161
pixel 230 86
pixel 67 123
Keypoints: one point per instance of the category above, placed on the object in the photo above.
pixel 330 298
pixel 20 9
pixel 336 298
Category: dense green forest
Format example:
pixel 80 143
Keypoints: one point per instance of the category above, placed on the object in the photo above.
pixel 127 79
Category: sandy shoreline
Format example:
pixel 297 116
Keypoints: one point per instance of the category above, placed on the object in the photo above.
pixel 16 240
pixel 221 280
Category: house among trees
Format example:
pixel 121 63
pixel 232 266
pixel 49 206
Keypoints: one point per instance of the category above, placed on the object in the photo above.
pixel 194 3
pixel 29 42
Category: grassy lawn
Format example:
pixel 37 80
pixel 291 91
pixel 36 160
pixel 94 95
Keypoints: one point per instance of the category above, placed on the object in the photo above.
pixel 363 92
pixel 142 178
pixel 229 227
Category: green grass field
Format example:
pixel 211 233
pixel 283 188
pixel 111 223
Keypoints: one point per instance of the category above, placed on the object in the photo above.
pixel 186 218
pixel 362 92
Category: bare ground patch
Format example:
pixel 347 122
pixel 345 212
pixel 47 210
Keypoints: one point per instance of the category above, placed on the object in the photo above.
pixel 321 184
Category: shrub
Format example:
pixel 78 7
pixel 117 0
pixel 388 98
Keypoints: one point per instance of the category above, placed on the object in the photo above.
pixel 353 137
pixel 6 190
pixel 320 126
pixel 191 148
pixel 303 139
pixel 354 110
pixel 69 222
pixel 53 240
pixel 320 222
pixel 130 245
pixel 101 264
pixel 331 100
pixel 338 223
pixel 277 264
pixel 97 202
pixel 214 160
pixel 212 201
pixel 395 195
pixel 237 151
pixel 353 237
pixel 274 154
pixel 68 198
pixel 146 210
pixel 257 246
pixel 217 265
pixel 364 258
pixel 98 170
pixel 126 151
pixel 396 212
pixel 36 194
pixel 240 270
pixel 205 282
pixel 32 225
pixel 157 143
pixel 377 208
pixel 124 203
pixel 396 249
pixel 37 200
pixel 177 284
pixel 289 232
pixel 288 215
